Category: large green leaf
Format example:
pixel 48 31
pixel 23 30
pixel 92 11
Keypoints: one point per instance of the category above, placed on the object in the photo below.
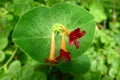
pixel 79 65
pixel 33 31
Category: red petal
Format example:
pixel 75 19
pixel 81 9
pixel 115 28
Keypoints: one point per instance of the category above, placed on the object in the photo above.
pixel 52 62
pixel 74 36
pixel 82 34
pixel 76 31
pixel 70 42
pixel 77 43
pixel 65 55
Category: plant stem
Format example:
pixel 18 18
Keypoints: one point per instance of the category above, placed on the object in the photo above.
pixel 53 47
pixel 66 30
pixel 6 64
pixel 63 44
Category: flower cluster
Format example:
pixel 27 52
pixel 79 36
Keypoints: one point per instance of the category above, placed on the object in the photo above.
pixel 74 37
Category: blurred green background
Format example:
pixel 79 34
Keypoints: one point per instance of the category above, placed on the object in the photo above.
pixel 104 52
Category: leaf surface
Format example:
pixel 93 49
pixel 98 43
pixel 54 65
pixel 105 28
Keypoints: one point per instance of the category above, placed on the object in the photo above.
pixel 34 30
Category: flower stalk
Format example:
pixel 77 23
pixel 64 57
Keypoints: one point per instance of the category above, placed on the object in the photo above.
pixel 66 30
pixel 63 43
pixel 63 50
pixel 52 58
pixel 52 48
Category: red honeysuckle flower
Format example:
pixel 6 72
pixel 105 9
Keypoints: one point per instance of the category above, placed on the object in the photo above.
pixel 52 58
pixel 63 51
pixel 74 36
pixel 65 55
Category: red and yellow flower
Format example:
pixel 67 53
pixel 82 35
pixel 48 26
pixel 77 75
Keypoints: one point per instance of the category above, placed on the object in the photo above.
pixel 74 36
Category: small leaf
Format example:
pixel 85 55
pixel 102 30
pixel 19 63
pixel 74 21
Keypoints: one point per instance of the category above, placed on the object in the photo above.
pixel 118 76
pixel 19 7
pixel 39 76
pixel 97 9
pixel 3 42
pixel 91 76
pixel 15 69
pixel 117 39
pixel 93 65
pixel 2 56
pixel 79 65
pixel 112 72
pixel 6 25
pixel 106 78
pixel 27 72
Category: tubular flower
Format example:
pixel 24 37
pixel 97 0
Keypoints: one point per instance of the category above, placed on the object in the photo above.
pixel 63 51
pixel 74 36
pixel 52 58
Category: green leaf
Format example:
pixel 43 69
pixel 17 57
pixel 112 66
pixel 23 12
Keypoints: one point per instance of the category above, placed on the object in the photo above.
pixel 27 72
pixel 33 31
pixel 117 38
pixel 7 77
pixel 39 76
pixel 3 42
pixel 7 25
pixel 2 56
pixel 15 69
pixel 19 7
pixel 93 65
pixel 106 78
pixel 79 65
pixel 88 76
pixel 92 76
pixel 112 72
pixel 97 9
pixel 118 76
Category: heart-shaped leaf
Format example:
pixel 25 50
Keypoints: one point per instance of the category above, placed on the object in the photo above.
pixel 34 30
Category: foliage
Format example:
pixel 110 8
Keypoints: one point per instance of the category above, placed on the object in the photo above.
pixel 104 52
